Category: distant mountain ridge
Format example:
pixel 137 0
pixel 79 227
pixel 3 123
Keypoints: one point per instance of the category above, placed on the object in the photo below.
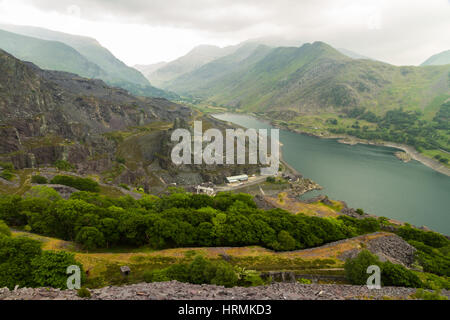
pixel 439 59
pixel 196 58
pixel 311 78
pixel 93 60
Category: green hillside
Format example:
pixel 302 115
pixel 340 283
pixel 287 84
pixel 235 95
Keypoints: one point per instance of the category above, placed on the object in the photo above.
pixel 314 78
pixel 114 72
pixel 315 88
pixel 49 55
pixel 438 59
pixel 203 80
pixel 196 58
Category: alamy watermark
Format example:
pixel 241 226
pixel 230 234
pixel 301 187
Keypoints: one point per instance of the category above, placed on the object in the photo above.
pixel 374 281
pixel 74 280
pixel 192 150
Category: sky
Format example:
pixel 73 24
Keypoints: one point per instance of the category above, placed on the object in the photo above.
pixel 401 32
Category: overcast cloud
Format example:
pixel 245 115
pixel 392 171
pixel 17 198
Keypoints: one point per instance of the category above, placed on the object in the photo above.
pixel 147 31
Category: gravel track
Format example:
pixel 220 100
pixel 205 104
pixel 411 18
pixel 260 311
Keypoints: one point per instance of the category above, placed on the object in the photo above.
pixel 182 291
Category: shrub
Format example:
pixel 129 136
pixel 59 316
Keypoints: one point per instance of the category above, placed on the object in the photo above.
pixel 16 255
pixel 4 229
pixel 39 179
pixel 270 179
pixel 304 281
pixel 249 278
pixel 391 274
pixel 63 165
pixel 432 259
pixel 49 269
pixel 430 238
pixel 84 293
pixel 398 276
pixel 7 166
pixel 426 295
pixel 360 211
pixel 82 184
pixel 124 186
pixel 43 192
pixel 7 175
pixel 198 271
pixel 225 275
pixel 156 276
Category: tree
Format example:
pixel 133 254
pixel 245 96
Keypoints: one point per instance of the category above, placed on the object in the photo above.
pixel 109 228
pixel 49 269
pixel 10 210
pixel 356 269
pixel 286 241
pixel 90 238
pixel 43 192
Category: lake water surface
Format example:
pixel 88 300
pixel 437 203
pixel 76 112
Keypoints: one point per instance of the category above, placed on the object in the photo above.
pixel 365 176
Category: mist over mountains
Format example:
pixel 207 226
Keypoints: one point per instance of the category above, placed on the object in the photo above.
pixel 80 55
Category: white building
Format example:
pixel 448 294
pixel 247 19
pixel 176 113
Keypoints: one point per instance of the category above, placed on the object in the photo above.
pixel 235 179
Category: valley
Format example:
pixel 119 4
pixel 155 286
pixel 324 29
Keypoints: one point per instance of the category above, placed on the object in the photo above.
pixel 87 177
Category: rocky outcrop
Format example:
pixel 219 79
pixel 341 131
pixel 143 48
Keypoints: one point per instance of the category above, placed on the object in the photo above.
pixel 388 248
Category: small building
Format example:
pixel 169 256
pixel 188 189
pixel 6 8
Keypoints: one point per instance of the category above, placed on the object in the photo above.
pixel 236 179
pixel 205 190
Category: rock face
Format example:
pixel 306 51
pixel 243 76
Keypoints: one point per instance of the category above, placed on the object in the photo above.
pixel 47 116
pixel 182 291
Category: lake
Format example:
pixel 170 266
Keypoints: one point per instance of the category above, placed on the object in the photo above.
pixel 365 176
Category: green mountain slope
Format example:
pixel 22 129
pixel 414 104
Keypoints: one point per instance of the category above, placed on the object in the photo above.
pixel 195 59
pixel 49 54
pixel 316 78
pixel 212 76
pixel 115 72
pixel 438 59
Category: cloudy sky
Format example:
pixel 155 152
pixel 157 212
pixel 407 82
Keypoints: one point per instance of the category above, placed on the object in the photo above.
pixel 401 32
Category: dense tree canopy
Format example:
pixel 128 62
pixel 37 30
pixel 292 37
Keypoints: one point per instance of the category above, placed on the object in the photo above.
pixel 176 220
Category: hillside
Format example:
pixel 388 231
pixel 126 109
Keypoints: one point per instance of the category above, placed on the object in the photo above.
pixel 148 69
pixel 442 58
pixel 212 77
pixel 80 55
pixel 316 77
pixel 49 55
pixel 195 59
pixel 47 116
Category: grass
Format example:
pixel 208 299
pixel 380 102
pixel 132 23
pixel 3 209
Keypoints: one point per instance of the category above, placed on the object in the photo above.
pixel 103 265
pixel 311 209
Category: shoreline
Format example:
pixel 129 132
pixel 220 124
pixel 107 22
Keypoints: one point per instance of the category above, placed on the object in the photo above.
pixel 346 139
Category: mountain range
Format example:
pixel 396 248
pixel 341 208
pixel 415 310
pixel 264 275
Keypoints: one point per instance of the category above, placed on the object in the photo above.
pixel 311 78
pixel 76 54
